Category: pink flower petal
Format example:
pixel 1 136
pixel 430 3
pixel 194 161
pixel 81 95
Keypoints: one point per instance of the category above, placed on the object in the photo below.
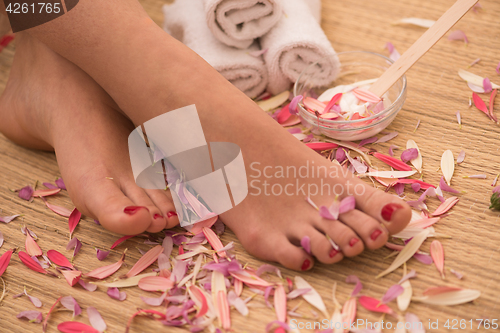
pixel 76 327
pixel 87 286
pixel 347 204
pixel 36 302
pixel 368 141
pixel 155 283
pixel 292 108
pixel 487 85
pixel 408 276
pixel 72 277
pixel 95 319
pixel 46 193
pixel 60 183
pixel 101 255
pixel 145 261
pixel 154 301
pixel 393 162
pixel 374 305
pixel 461 157
pixel 57 209
pixel 8 219
pixel 179 271
pixel 392 293
pixel 393 53
pixel 50 186
pixel 105 271
pixel 340 155
pixel 298 292
pixel 365 95
pixel 305 242
pixel 58 258
pixel 268 268
pixel 416 187
pixel 458 35
pixel 35 316
pixel 478 102
pixel 26 193
pixel 73 220
pixel 446 206
pixel 391 150
pixel 358 287
pixel 321 145
pixel 121 240
pixel 335 99
pixel 71 304
pixel 423 258
pixel 388 137
pixel 409 154
pixel 445 187
pixel 284 114
pixel 116 294
pixel 30 263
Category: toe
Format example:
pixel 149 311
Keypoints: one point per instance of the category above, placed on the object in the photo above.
pixel 322 248
pixel 373 234
pixel 140 198
pixel 114 210
pixel 279 249
pixel 343 236
pixel 390 210
pixel 164 202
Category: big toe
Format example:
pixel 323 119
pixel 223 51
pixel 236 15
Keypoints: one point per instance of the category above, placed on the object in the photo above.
pixel 388 209
pixel 114 210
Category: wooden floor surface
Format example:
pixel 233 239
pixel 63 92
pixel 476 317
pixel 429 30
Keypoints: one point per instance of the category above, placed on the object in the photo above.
pixel 435 93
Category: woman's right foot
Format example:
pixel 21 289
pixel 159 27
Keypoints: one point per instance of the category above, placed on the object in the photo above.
pixel 51 104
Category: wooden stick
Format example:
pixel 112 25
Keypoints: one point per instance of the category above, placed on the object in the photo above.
pixel 421 46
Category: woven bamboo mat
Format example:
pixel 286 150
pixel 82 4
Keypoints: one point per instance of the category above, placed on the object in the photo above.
pixel 435 93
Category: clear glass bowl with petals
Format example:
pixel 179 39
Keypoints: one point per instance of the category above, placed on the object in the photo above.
pixel 358 70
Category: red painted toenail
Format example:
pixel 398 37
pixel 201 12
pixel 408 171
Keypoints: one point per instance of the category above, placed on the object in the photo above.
pixel 375 234
pixel 333 253
pixel 388 209
pixel 131 210
pixel 158 216
pixel 305 265
pixel 170 214
pixel 353 241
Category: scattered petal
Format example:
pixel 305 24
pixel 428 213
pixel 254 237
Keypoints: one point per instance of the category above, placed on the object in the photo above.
pixel 453 297
pixel 72 277
pixel 487 85
pixel 312 297
pixel 448 165
pixel 8 219
pixel 46 193
pixel 121 240
pixel 95 319
pixel 32 316
pixel 292 108
pixel 71 304
pixel 305 242
pixel 409 154
pixel 374 305
pixel 87 286
pixel 76 327
pixel 321 145
pixel 443 186
pixel 408 251
pixel 5 260
pixel 393 53
pixel 358 287
pixel 445 206
pixel 457 274
pixel 57 209
pixel 391 150
pixel 26 193
pixel 423 258
pixel 105 271
pixel 73 220
pixel 101 255
pixel 461 157
pixel 458 35
pixel 393 162
pixel 30 263
pixel 114 293
pixel 145 261
pixel 392 293
pixel 58 258
pixel 437 254
pixel 155 283
pixel 388 137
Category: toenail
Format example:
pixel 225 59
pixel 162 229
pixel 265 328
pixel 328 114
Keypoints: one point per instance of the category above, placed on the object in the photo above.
pixel 375 234
pixel 333 253
pixel 158 216
pixel 305 265
pixel 170 214
pixel 388 209
pixel 131 210
pixel 353 241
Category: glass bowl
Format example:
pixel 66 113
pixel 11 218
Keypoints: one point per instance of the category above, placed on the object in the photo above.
pixel 355 66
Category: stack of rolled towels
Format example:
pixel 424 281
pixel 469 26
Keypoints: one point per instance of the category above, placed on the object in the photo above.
pixel 257 45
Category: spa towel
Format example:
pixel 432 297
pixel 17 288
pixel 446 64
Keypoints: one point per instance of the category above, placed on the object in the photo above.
pixel 293 44
pixel 185 21
pixel 238 22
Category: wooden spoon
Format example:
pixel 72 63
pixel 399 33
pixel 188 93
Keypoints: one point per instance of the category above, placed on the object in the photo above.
pixel 421 46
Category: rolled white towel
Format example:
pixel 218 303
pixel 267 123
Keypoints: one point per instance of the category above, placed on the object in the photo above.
pixel 238 22
pixel 185 21
pixel 293 44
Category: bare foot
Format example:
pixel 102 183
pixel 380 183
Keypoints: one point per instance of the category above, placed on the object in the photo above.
pixel 269 226
pixel 51 104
